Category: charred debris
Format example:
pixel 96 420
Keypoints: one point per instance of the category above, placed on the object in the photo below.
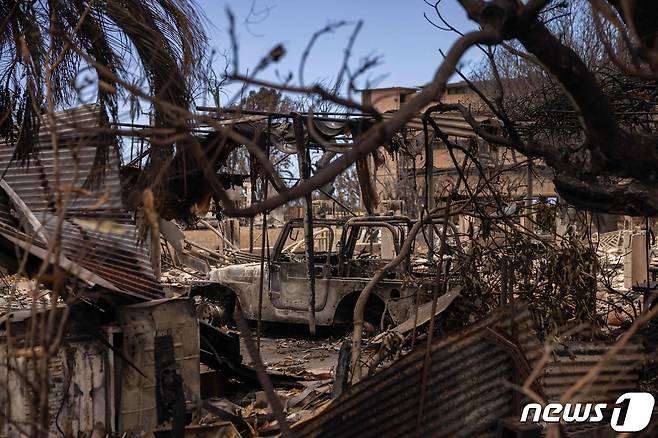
pixel 127 312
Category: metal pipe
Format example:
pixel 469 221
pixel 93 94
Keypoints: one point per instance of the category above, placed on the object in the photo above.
pixel 263 240
pixel 305 173
pixel 252 202
pixel 429 185
pixel 219 234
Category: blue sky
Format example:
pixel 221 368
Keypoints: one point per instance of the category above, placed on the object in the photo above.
pixel 395 30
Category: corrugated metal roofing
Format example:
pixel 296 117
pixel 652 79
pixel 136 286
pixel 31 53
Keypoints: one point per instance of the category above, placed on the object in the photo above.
pixel 451 123
pixel 468 387
pixel 466 392
pixel 97 234
pixel 573 359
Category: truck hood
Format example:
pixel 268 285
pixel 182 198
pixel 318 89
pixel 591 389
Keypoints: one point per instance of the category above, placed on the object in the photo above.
pixel 244 273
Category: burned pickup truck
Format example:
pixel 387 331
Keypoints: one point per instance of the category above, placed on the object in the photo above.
pixel 345 256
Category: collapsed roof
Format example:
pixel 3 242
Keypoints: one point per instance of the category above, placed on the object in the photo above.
pixel 59 188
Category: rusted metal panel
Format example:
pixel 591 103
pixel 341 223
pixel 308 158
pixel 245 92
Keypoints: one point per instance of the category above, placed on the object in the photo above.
pixel 466 391
pixel 97 234
pixel 141 324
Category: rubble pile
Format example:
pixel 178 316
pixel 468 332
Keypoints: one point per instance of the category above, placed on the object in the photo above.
pixel 20 293
pixel 342 326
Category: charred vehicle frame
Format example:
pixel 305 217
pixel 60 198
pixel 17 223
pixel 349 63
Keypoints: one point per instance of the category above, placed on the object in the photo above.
pixel 352 250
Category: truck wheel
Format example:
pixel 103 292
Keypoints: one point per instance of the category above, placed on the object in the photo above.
pixel 217 310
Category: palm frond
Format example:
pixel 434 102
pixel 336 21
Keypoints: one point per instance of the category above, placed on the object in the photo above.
pixel 161 40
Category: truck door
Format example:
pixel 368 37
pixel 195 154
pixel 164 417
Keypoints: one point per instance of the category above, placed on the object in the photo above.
pixel 290 287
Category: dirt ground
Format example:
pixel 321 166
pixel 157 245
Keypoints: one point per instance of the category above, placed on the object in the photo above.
pixel 289 348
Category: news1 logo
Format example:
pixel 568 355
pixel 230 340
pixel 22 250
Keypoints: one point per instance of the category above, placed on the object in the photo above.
pixel 634 416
